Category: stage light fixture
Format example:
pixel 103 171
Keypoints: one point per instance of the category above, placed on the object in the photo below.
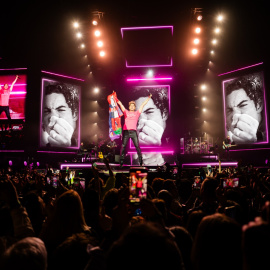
pixel 96 89
pixel 204 109
pixel 217 30
pixel 100 43
pixel 82 46
pixel 76 25
pixel 203 86
pixel 220 18
pixel 97 33
pixel 150 73
pixel 212 52
pixel 79 35
pixel 95 22
pixel 204 98
pixel 197 30
pixel 102 54
pixel 196 41
pixel 194 51
pixel 199 17
pixel 214 41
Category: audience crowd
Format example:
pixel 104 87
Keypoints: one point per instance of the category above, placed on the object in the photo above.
pixel 190 220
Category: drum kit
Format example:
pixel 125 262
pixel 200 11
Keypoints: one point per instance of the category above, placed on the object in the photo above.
pixel 194 146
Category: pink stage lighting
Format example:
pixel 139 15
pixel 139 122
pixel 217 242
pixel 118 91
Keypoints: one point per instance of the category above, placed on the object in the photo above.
pixel 63 76
pixel 151 38
pixel 149 79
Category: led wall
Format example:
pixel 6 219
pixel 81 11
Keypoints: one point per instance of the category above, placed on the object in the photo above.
pixel 148 46
pixel 245 108
pixel 59 114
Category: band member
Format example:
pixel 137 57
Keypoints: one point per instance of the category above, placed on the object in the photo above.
pixel 130 127
pixel 111 146
pixel 4 100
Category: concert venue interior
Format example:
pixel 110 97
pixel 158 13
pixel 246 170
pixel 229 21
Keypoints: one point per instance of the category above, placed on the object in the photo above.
pixel 186 53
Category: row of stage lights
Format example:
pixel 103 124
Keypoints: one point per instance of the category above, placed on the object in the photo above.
pixel 204 47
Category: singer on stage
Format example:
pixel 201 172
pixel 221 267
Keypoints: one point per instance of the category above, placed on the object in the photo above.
pixel 4 100
pixel 130 128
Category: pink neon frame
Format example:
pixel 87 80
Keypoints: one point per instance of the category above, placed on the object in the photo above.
pixel 41 110
pixel 145 28
pixel 149 79
pixel 60 75
pixel 224 102
pixel 169 95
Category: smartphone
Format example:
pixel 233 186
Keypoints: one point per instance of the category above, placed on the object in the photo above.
pixel 230 182
pixel 48 179
pixel 137 184
pixel 82 183
pixel 197 182
pixel 55 179
pixel 175 170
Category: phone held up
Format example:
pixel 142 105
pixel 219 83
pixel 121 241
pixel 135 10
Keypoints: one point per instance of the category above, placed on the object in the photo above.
pixel 137 184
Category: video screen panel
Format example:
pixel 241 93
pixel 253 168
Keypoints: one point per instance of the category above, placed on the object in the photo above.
pixel 13 91
pixel 245 112
pixel 60 114
pixel 148 46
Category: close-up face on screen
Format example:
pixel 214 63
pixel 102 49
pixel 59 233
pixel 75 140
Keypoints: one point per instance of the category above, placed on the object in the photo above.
pixel 152 122
pixel 245 115
pixel 60 114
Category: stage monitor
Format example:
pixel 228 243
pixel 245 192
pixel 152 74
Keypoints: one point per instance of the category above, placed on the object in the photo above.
pixel 244 105
pixel 60 113
pixel 13 91
pixel 148 46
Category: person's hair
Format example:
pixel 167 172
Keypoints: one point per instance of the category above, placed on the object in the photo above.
pixel 217 244
pixel 68 218
pixel 68 91
pixel 159 97
pixel 28 253
pixel 251 84
pixel 132 102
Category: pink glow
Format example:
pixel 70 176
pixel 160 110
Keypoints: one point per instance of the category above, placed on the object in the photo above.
pixel 209 163
pixel 13 68
pixel 239 150
pixel 161 152
pixel 139 66
pixel 60 75
pixel 18 93
pixel 12 151
pixel 72 165
pixel 240 69
pixel 144 28
pixel 148 79
pixel 56 152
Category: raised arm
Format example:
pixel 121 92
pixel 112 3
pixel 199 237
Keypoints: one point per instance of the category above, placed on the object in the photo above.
pixel 144 103
pixel 11 87
pixel 121 105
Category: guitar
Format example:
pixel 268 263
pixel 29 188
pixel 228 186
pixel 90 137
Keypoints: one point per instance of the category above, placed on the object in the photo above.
pixel 100 155
pixel 226 146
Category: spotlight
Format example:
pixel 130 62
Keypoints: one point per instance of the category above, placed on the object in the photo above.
pixel 217 30
pixel 100 43
pixel 204 110
pixel 197 30
pixel 203 86
pixel 82 46
pixel 204 98
pixel 76 25
pixel 102 54
pixel 194 51
pixel 96 90
pixel 94 22
pixel 97 33
pixel 10 162
pixel 150 73
pixel 79 35
pixel 220 18
pixel 212 52
pixel 214 41
pixel 25 163
pixel 196 41
pixel 199 17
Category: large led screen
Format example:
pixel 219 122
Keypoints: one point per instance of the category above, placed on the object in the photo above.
pixel 60 114
pixel 12 96
pixel 148 46
pixel 245 112
pixel 152 128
